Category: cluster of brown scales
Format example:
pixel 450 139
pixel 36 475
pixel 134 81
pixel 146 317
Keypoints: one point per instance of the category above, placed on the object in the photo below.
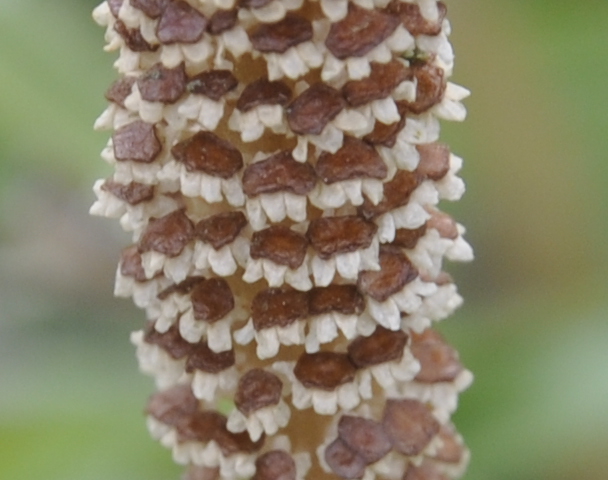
pixel 277 163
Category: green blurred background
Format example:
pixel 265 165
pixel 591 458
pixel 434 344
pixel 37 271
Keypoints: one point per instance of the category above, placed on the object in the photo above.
pixel 533 328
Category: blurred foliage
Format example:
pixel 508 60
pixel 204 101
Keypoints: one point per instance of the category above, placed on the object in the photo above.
pixel 533 328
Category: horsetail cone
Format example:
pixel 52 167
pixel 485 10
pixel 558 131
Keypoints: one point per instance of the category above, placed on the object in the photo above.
pixel 277 163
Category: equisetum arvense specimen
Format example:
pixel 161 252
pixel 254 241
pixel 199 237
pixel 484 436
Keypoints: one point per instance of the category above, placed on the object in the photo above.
pixel 277 163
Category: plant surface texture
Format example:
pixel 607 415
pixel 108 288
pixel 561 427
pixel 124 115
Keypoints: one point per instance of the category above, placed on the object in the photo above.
pixel 278 165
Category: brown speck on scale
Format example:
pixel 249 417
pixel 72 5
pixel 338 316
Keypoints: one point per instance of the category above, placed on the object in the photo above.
pixel 279 167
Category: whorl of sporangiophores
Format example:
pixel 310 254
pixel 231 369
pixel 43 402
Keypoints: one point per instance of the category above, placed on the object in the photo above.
pixel 278 166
